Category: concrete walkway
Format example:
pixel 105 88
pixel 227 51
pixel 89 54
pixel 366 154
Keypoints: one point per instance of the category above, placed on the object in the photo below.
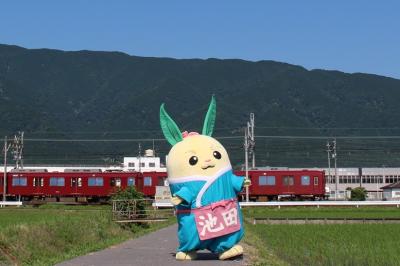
pixel 157 248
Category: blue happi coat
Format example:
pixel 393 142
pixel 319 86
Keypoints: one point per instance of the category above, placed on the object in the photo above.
pixel 202 191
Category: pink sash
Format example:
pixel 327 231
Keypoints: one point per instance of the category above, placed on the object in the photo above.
pixel 217 219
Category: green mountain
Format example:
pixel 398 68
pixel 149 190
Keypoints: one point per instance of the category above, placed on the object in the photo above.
pixel 111 95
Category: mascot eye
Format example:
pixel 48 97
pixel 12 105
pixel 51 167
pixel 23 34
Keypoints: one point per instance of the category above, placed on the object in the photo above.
pixel 217 155
pixel 193 160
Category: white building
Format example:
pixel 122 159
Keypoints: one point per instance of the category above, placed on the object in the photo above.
pixel 392 191
pixel 148 163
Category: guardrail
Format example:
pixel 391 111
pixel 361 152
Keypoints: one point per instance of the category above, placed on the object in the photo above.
pixel 10 203
pixel 317 204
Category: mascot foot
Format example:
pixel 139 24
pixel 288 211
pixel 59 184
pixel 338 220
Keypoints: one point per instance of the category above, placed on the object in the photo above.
pixel 192 255
pixel 236 250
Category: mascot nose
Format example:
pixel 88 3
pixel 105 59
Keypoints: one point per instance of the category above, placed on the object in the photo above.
pixel 207 161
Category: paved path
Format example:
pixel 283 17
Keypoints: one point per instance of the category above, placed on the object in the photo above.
pixel 157 248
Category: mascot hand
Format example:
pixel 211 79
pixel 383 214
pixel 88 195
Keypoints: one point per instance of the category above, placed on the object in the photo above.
pixel 176 200
pixel 247 182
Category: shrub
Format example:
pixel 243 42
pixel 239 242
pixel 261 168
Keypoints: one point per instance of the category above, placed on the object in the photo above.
pixel 358 193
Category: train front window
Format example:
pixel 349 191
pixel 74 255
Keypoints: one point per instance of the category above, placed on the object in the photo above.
pixel 19 182
pixel 160 181
pixel 147 181
pixel 305 180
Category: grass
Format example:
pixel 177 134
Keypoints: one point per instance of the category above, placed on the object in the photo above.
pixel 345 244
pixel 47 235
pixel 323 212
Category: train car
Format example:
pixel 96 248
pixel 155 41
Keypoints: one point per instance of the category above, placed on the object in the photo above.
pixel 1 185
pixel 151 180
pixel 285 184
pixel 89 185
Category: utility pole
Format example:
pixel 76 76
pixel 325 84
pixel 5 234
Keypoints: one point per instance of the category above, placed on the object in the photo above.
pixel 252 141
pixel 246 158
pixel 328 150
pixel 17 149
pixel 139 157
pixel 334 155
pixel 6 148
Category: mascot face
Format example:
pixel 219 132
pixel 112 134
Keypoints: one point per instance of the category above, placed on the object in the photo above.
pixel 193 154
pixel 196 155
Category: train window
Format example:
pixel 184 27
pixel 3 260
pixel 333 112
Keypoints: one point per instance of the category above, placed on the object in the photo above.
pixel 95 182
pixel 316 180
pixel 305 180
pixel 76 181
pixel 115 182
pixel 160 181
pixel 147 181
pixel 266 180
pixel 131 181
pixel 288 180
pixel 19 182
pixel 57 181
pixel 38 182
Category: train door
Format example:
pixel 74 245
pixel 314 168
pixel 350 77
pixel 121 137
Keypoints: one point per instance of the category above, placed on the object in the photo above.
pixel 76 185
pixel 139 182
pixel 38 183
pixel 288 183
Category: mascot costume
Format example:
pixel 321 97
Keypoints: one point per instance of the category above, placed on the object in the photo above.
pixel 204 190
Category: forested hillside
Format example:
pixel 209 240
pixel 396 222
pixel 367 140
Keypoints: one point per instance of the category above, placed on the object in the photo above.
pixel 111 95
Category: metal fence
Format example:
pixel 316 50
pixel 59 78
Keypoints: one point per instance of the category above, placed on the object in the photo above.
pixel 306 203
pixel 138 210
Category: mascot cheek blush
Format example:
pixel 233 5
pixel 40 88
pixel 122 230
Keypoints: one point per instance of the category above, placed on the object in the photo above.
pixel 204 190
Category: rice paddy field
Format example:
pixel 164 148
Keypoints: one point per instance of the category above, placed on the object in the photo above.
pixel 331 244
pixel 54 233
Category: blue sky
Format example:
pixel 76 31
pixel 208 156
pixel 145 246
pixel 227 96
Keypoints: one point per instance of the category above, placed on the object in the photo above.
pixel 351 36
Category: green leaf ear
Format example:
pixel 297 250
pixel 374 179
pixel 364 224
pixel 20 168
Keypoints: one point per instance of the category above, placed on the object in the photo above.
pixel 169 127
pixel 209 121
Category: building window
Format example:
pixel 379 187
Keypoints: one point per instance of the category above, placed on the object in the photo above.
pixel 131 164
pixel 315 180
pixel 266 180
pixel 147 181
pixel 152 164
pixel 288 180
pixel 95 182
pixel 131 181
pixel 305 180
pixel 19 182
pixel 57 181
pixel 142 165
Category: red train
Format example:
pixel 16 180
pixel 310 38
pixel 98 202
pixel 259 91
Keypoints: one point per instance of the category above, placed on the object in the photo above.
pixel 285 184
pixel 95 185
